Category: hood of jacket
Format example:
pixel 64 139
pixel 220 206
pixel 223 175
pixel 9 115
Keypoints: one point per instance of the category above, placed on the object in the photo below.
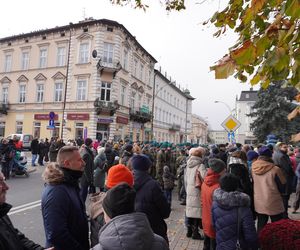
pixel 261 166
pixel 194 161
pixel 211 178
pixel 228 200
pixel 129 231
pixel 140 178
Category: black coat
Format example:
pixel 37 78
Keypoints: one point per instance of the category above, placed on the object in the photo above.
pixel 10 237
pixel 65 221
pixel 34 146
pixel 88 158
pixel 151 200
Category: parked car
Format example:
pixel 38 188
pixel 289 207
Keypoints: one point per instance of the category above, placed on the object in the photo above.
pixel 24 138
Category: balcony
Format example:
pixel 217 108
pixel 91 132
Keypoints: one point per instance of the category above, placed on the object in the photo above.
pixel 3 108
pixel 141 115
pixel 110 67
pixel 104 107
pixel 174 127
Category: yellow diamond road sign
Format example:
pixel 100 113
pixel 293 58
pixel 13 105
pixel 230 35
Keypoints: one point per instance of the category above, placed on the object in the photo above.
pixel 231 123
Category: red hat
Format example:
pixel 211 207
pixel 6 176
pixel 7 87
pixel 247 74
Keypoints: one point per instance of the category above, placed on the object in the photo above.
pixel 117 174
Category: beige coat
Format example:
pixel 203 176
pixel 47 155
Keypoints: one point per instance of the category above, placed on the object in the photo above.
pixel 267 198
pixel 193 200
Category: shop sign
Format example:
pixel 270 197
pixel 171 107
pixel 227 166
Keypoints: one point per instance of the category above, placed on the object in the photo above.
pixel 74 116
pixel 137 125
pixel 44 117
pixel 122 120
pixel 105 120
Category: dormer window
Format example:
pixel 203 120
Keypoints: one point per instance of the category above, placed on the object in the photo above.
pixel 247 96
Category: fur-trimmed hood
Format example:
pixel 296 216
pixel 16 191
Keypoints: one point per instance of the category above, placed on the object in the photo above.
pixel 194 161
pixel 228 200
pixel 53 174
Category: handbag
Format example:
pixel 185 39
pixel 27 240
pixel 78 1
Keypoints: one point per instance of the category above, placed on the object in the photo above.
pixel 95 206
pixel 238 244
pixel 198 179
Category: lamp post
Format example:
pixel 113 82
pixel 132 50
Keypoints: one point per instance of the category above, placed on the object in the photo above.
pixel 229 109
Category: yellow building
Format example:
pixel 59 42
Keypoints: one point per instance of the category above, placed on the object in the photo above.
pixel 94 76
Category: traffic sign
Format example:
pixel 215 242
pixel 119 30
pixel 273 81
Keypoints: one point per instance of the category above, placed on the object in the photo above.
pixel 51 115
pixel 231 123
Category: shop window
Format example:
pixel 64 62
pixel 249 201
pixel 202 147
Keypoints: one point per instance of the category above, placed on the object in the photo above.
pixel 36 129
pixel 56 130
pixel 79 130
pixel 19 127
pixel 2 129
pixel 102 132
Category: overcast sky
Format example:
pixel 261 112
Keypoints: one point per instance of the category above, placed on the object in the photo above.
pixel 181 44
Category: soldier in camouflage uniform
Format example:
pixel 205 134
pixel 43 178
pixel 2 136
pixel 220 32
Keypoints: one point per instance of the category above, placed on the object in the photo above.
pixel 180 161
pixel 160 163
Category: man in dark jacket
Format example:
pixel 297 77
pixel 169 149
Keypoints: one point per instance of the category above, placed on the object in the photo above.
pixel 150 198
pixel 10 237
pixel 87 178
pixel 65 220
pixel 282 160
pixel 34 150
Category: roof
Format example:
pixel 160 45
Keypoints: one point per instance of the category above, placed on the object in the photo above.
pixel 248 96
pixel 185 93
pixel 80 24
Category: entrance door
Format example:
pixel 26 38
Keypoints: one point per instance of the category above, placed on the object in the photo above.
pixel 102 132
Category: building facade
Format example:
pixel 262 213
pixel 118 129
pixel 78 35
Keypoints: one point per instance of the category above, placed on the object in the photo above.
pixel 218 136
pixel 244 104
pixel 172 111
pixel 199 130
pixel 94 75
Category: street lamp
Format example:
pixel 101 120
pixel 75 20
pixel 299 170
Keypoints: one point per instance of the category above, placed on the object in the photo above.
pixel 230 110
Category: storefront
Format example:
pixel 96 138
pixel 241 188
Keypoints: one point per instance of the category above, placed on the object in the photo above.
pixel 103 128
pixel 40 124
pixel 77 123
pixel 121 128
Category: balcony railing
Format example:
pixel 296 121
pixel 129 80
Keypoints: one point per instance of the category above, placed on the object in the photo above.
pixel 104 107
pixel 111 67
pixel 175 127
pixel 3 108
pixel 140 115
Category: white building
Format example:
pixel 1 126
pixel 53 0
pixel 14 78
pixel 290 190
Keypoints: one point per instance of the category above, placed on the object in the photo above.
pixel 172 111
pixel 218 136
pixel 199 130
pixel 244 104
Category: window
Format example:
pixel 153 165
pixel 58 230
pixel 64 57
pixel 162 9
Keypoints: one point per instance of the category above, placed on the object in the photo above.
pixel 148 101
pixel 135 67
pixel 55 132
pixel 123 93
pixel 141 72
pixel 81 90
pixel 84 53
pixel 19 127
pixel 43 58
pixel 58 91
pixel 108 53
pixel 79 130
pixel 61 56
pixel 140 101
pixel 36 129
pixel 149 77
pixel 7 63
pixel 25 60
pixel 132 99
pixel 125 59
pixel 22 93
pixel 2 129
pixel 105 91
pixel 39 92
pixel 5 95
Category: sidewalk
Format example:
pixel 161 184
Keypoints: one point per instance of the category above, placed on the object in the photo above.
pixel 177 231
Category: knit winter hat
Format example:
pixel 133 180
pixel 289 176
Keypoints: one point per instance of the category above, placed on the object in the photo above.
pixel 141 162
pixel 216 165
pixel 119 200
pixel 265 151
pixel 251 155
pixel 117 174
pixel 88 141
pixel 128 147
pixel 229 182
pixel 283 234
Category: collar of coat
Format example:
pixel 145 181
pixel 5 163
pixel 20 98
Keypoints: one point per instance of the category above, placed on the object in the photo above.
pixel 4 209
pixel 231 199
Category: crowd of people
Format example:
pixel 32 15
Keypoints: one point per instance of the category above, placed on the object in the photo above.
pixel 230 192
